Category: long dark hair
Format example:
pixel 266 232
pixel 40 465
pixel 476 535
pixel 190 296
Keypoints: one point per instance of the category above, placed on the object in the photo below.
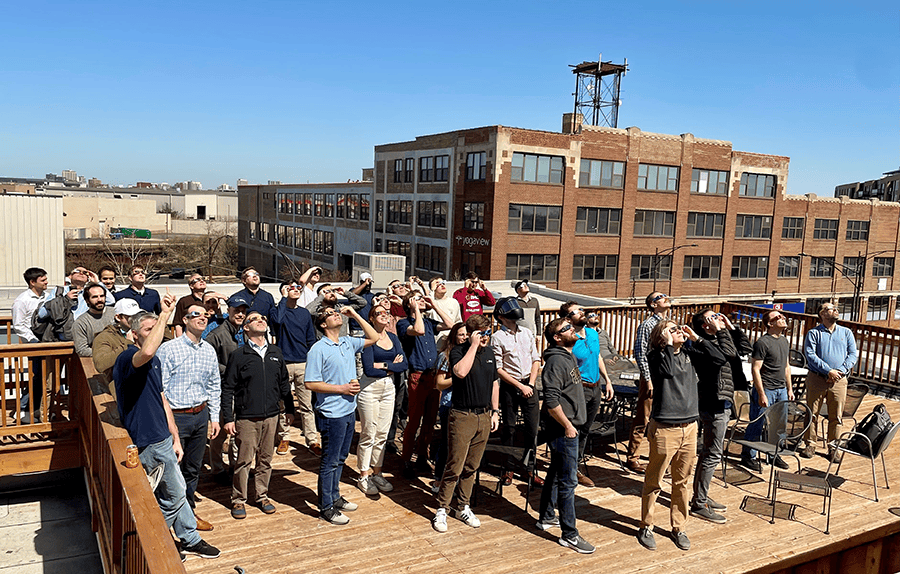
pixel 451 338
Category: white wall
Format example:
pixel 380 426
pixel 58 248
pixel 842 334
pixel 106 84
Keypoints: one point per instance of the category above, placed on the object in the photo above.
pixel 31 235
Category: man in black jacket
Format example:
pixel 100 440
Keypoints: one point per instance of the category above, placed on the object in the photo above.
pixel 255 385
pixel 716 392
pixel 563 412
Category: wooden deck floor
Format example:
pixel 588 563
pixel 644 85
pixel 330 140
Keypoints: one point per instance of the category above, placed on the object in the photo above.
pixel 392 533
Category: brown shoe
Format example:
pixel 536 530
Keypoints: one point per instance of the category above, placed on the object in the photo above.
pixel 506 479
pixel 266 506
pixel 203 525
pixel 536 480
pixel 284 447
pixel 316 449
pixel 636 466
pixel 583 479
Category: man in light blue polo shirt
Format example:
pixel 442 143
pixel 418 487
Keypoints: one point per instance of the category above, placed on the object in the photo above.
pixel 830 355
pixel 331 375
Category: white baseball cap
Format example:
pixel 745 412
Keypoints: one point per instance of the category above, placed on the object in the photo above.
pixel 127 307
pixel 365 276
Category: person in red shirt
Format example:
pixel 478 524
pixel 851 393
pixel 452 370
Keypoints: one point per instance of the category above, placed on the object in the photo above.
pixel 472 296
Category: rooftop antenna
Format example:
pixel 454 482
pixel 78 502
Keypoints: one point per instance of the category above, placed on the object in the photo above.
pixel 597 90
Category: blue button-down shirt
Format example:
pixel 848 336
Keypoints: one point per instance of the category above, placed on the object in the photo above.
pixel 826 350
pixel 334 364
pixel 190 374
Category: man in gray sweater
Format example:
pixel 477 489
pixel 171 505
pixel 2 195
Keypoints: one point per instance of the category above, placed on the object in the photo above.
pixel 97 317
pixel 563 412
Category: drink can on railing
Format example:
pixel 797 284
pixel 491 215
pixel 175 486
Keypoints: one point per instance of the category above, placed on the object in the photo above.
pixel 131 457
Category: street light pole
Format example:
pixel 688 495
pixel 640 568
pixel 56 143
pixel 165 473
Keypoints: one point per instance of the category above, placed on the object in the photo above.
pixel 664 253
pixel 856 276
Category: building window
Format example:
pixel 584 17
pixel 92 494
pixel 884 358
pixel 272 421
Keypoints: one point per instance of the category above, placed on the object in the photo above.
pixel 598 220
pixel 441 167
pixel 425 210
pixel 851 266
pixel 377 245
pixel 473 216
pixel 821 267
pixel 534 168
pixel 534 218
pixel 595 268
pixel 439 219
pixel 656 223
pixel 393 212
pixel 749 267
pixel 379 214
pixel 825 229
pixel 476 163
pixel 709 181
pixel 877 310
pixel 319 210
pixel 757 185
pixel 398 170
pixel 753 227
pixel 352 205
pixel 307 207
pixel 857 230
pixel 792 228
pixel 602 173
pixel 426 169
pixel 657 177
pixel 470 261
pixel 329 205
pixel 883 267
pixel 364 207
pixel 430 257
pixel 648 266
pixel 341 205
pixel 406 216
pixel 532 267
pixel 701 267
pixel 409 173
pixel 401 248
pixel 788 267
pixel 706 225
pixel 252 230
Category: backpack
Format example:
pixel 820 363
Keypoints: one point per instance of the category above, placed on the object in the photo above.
pixel 875 427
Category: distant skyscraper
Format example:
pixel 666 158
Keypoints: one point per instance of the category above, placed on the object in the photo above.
pixel 70 175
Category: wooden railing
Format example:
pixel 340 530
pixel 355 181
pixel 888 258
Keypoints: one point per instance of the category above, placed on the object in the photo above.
pixel 879 347
pixel 79 427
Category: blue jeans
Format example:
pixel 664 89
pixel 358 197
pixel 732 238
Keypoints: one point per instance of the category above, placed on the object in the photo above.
pixel 754 430
pixel 336 437
pixel 170 494
pixel 192 430
pixel 559 485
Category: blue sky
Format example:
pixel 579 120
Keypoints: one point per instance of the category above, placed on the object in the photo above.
pixel 302 91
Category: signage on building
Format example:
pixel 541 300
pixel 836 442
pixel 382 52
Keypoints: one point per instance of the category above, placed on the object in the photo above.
pixel 473 241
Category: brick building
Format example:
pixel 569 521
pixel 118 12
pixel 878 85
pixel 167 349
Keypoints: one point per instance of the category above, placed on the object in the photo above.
pixel 608 212
pixel 887 188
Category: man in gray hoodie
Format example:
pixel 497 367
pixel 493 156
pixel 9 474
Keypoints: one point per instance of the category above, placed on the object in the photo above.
pixel 564 410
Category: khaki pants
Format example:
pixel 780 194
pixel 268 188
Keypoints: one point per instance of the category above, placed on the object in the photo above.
pixel 296 375
pixel 255 439
pixel 818 389
pixel 375 405
pixel 674 445
pixel 466 439
pixel 641 417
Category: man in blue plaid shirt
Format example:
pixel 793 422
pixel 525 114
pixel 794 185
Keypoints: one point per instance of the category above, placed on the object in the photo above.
pixel 192 385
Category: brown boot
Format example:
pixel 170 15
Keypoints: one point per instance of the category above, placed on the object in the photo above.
pixel 583 479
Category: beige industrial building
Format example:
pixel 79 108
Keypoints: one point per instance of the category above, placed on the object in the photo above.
pixel 31 236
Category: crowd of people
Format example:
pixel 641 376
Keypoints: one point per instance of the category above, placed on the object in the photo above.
pixel 240 370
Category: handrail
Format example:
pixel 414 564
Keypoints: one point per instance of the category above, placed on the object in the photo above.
pixel 81 428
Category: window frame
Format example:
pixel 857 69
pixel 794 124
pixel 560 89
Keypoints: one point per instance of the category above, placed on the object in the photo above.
pixel 605 170
pixel 598 214
pixel 553 167
pixel 696 179
pixel 547 211
pixel 718 224
pixel 711 264
pixel 666 224
pixel 758 264
pixel 751 180
pixel 652 171
pixel 764 229
pixel 471 165
pixel 473 216
pixel 793 227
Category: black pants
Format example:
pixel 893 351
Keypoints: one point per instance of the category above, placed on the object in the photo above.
pixel 593 396
pixel 511 400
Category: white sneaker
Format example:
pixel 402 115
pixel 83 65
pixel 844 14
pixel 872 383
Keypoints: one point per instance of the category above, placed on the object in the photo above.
pixel 439 522
pixel 381 483
pixel 366 485
pixel 468 517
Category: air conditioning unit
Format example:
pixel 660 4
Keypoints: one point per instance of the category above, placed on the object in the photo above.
pixel 384 267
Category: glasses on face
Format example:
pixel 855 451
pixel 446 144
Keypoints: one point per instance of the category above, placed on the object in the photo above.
pixel 591 315
pixel 81 271
pixel 573 312
pixel 382 314
pixel 331 313
pixel 257 318
pixel 251 274
pixel 658 297
pixel 398 286
pixel 829 308
pixel 776 318
pixel 674 329
pixel 564 329
pixel 195 314
pixel 326 291
pixel 137 272
pixel 197 280
pixel 294 287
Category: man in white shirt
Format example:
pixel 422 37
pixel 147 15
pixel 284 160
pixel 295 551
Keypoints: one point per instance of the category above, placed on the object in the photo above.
pixel 447 304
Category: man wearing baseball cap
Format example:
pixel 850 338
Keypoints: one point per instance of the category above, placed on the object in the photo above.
pixel 114 338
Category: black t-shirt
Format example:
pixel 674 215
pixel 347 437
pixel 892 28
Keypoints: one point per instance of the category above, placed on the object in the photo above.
pixel 774 354
pixel 474 390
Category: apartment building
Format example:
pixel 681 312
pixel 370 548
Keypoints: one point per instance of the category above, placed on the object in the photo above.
pixel 886 188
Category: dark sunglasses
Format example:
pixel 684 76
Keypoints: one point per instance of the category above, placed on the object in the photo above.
pixel 658 297
pixel 564 329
